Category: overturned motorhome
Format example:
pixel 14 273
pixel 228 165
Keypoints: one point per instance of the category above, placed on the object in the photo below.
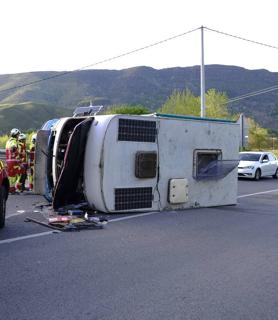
pixel 122 163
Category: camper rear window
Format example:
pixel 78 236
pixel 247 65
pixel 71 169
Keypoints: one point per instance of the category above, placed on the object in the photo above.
pixel 203 159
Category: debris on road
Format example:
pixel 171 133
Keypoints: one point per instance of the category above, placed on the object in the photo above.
pixel 70 218
pixel 28 219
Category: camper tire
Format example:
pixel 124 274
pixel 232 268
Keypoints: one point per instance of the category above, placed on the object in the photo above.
pixel 2 206
pixel 275 176
pixel 257 175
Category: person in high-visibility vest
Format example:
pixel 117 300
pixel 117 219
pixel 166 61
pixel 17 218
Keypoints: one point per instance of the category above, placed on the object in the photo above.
pixel 31 163
pixel 12 159
pixel 23 162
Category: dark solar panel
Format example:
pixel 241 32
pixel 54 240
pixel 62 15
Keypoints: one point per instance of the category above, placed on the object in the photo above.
pixel 133 198
pixel 137 130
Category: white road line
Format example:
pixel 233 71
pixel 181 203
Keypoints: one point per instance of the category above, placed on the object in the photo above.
pixel 28 237
pixel 254 194
pixel 15 214
pixel 112 220
pixel 133 216
pixel 51 232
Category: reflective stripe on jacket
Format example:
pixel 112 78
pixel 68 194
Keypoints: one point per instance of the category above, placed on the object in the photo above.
pixel 12 149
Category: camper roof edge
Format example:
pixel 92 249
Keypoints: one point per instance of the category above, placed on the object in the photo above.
pixel 176 116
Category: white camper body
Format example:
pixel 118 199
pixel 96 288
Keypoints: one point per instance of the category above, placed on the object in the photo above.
pixel 145 163
pixel 111 162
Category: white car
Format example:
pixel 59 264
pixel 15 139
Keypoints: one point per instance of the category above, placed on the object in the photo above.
pixel 255 165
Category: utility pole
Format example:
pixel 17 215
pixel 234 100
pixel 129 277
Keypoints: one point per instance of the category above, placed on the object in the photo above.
pixel 203 97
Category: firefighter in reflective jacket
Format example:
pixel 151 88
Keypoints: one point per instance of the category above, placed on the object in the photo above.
pixel 23 162
pixel 32 161
pixel 12 159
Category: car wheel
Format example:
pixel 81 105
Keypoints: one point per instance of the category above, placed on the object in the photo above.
pixel 2 206
pixel 275 176
pixel 257 174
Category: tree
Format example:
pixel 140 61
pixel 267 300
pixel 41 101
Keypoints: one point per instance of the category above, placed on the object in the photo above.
pixel 258 136
pixel 127 109
pixel 216 104
pixel 185 102
pixel 182 102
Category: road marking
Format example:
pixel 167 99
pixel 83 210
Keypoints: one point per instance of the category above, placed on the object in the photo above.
pixel 51 232
pixel 28 237
pixel 20 212
pixel 133 216
pixel 15 214
pixel 254 194
pixel 112 220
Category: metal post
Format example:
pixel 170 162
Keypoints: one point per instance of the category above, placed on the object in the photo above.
pixel 242 133
pixel 203 98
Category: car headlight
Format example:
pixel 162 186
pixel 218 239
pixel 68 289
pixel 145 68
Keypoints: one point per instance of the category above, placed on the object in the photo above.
pixel 248 167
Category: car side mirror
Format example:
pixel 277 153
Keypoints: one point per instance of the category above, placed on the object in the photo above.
pixel 264 161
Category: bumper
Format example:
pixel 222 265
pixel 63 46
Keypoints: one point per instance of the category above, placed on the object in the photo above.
pixel 245 173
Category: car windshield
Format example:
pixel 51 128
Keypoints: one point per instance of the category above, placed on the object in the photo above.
pixel 249 156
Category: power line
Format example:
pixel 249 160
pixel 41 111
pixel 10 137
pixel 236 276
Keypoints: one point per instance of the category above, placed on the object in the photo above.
pixel 102 61
pixel 241 38
pixel 245 96
pixel 252 94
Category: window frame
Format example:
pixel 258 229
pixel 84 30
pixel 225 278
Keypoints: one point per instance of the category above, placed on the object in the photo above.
pixel 198 152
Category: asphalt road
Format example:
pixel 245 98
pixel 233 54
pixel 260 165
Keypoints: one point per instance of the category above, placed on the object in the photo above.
pixel 216 263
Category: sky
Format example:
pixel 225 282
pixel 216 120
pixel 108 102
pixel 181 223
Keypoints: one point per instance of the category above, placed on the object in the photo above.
pixel 65 35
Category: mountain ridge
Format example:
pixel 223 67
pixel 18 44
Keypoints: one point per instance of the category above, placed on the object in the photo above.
pixel 141 85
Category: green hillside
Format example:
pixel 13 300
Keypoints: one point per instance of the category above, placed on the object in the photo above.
pixel 139 86
pixel 28 115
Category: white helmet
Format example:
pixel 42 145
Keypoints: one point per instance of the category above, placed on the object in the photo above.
pixel 34 138
pixel 15 132
pixel 22 136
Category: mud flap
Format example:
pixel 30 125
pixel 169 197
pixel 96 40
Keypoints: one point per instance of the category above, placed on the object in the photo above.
pixel 67 187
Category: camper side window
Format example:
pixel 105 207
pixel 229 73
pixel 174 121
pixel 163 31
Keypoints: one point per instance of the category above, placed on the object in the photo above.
pixel 203 160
